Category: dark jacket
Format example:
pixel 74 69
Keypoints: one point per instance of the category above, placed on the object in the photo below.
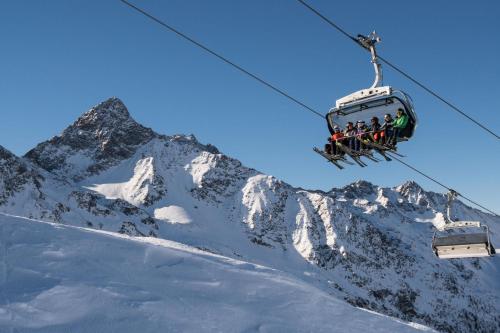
pixel 375 127
pixel 362 130
pixel 387 124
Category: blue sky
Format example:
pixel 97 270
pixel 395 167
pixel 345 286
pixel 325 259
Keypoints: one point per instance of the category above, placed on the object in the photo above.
pixel 59 58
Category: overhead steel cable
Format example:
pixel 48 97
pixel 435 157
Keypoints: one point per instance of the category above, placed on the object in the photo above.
pixel 226 60
pixel 397 69
pixel 274 88
pixel 441 184
pixel 330 22
pixel 438 97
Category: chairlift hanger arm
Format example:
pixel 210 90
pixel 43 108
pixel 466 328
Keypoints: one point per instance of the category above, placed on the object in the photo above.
pixel 451 195
pixel 369 42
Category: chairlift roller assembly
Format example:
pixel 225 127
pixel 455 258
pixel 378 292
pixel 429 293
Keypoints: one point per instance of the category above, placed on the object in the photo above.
pixel 464 244
pixel 375 101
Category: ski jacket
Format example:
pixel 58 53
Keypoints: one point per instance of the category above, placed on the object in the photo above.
pixel 375 127
pixel 337 136
pixel 387 124
pixel 362 130
pixel 401 122
pixel 350 132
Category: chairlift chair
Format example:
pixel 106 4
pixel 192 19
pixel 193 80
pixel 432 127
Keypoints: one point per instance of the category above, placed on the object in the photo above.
pixel 465 244
pixel 375 101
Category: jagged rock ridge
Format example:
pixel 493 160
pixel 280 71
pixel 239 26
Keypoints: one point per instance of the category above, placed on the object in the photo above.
pixel 102 136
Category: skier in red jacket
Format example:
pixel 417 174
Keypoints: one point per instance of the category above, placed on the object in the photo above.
pixel 336 138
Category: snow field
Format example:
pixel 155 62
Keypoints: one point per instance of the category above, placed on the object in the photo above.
pixel 56 278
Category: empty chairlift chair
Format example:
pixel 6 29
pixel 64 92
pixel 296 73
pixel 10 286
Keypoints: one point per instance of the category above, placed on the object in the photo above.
pixel 462 244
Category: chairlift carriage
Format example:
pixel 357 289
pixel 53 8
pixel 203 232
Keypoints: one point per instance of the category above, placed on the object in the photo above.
pixel 375 101
pixel 461 244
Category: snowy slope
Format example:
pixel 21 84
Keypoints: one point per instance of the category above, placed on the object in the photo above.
pixel 28 190
pixel 365 244
pixel 63 279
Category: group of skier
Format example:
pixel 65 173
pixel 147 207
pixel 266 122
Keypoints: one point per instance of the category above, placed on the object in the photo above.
pixel 353 137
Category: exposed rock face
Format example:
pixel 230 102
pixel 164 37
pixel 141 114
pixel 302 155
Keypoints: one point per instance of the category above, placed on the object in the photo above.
pixel 16 175
pixel 30 191
pixel 367 244
pixel 101 137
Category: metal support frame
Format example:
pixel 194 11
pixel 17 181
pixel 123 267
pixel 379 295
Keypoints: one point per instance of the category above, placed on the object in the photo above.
pixel 368 42
pixel 450 223
pixel 461 224
pixel 490 247
pixel 451 195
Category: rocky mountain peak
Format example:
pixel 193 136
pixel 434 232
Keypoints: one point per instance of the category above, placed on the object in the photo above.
pixel 5 154
pixel 106 113
pixel 415 194
pixel 359 188
pixel 108 127
pixel 104 135
pixel 410 186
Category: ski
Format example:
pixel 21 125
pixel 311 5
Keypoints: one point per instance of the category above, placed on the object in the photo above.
pixel 392 151
pixel 354 155
pixel 377 149
pixel 382 147
pixel 369 155
pixel 366 154
pixel 383 154
pixel 331 158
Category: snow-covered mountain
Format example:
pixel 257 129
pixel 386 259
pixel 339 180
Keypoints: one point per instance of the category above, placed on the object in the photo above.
pixel 362 243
